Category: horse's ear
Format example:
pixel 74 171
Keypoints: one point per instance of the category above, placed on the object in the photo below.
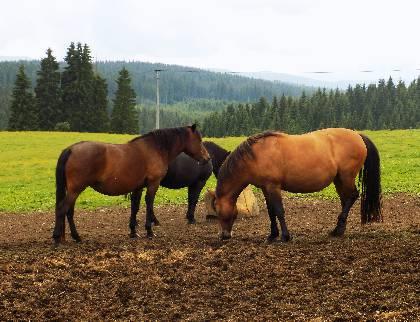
pixel 193 127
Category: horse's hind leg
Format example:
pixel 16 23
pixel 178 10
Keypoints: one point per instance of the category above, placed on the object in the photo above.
pixel 348 194
pixel 70 219
pixel 135 206
pixel 60 224
pixel 193 195
pixel 60 215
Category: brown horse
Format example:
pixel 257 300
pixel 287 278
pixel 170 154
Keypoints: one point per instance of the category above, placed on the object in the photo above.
pixel 118 169
pixel 275 161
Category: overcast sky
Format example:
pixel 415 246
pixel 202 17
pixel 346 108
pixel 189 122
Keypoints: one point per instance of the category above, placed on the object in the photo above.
pixel 284 36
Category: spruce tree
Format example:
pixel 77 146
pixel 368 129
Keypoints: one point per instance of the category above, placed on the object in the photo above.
pixel 47 91
pixel 24 114
pixel 124 115
pixel 70 87
pixel 98 115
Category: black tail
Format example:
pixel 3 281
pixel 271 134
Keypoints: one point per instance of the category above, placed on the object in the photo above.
pixel 60 177
pixel 370 177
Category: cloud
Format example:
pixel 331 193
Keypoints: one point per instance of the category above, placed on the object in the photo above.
pixel 290 36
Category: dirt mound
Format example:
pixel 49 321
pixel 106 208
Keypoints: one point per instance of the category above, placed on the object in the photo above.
pixel 187 273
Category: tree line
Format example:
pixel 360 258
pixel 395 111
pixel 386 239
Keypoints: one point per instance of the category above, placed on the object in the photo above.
pixel 384 105
pixel 73 100
pixel 178 84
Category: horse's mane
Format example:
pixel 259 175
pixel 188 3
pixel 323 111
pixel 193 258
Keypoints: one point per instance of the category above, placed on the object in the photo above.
pixel 164 139
pixel 218 155
pixel 243 151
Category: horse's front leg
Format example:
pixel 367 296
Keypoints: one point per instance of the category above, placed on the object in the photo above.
pixel 193 195
pixel 135 206
pixel 274 233
pixel 150 217
pixel 273 194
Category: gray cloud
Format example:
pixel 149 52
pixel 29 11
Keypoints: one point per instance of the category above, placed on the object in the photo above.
pixel 292 36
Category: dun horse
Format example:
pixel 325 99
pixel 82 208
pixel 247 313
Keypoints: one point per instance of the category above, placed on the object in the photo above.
pixel 275 161
pixel 185 172
pixel 117 169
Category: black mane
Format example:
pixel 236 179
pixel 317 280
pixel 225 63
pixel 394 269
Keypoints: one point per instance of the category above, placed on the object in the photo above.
pixel 165 139
pixel 218 155
pixel 243 151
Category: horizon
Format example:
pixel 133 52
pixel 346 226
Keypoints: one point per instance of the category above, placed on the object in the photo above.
pixel 294 79
pixel 300 37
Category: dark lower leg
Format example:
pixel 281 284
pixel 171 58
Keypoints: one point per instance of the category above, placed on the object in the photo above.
pixel 59 229
pixel 135 205
pixel 285 235
pixel 73 230
pixel 193 195
pixel 276 203
pixel 274 230
pixel 273 225
pixel 342 217
pixel 150 197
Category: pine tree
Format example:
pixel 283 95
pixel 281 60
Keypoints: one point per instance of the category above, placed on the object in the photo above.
pixel 47 91
pixel 124 115
pixel 98 115
pixel 70 88
pixel 24 114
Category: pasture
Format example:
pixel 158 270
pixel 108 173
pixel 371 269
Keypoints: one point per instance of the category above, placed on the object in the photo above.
pixel 185 272
pixel 28 160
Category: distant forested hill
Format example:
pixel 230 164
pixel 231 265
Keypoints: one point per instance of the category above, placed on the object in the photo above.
pixel 177 84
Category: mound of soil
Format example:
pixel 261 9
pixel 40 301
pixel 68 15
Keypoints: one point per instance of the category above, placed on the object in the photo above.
pixel 185 272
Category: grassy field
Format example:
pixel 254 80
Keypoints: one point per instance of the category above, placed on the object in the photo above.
pixel 28 159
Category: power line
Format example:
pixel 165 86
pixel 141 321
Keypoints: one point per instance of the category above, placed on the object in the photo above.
pixel 157 72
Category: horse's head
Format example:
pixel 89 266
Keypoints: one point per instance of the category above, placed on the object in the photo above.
pixel 194 145
pixel 226 212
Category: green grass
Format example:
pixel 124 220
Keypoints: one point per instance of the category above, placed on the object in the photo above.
pixel 28 159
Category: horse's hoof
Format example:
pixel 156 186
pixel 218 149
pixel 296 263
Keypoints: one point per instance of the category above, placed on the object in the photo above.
pixel 134 235
pixel 156 222
pixel 286 238
pixel 271 238
pixel 77 238
pixel 191 221
pixel 337 232
pixel 150 235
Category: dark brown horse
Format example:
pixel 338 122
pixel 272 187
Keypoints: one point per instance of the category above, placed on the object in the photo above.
pixel 275 161
pixel 118 169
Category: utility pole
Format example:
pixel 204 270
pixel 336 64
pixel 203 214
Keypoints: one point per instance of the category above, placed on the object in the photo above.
pixel 157 97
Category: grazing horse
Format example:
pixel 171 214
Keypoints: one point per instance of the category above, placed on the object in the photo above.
pixel 186 172
pixel 117 169
pixel 275 161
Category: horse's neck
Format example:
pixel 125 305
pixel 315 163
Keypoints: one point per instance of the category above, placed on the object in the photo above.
pixel 232 189
pixel 176 149
pixel 218 156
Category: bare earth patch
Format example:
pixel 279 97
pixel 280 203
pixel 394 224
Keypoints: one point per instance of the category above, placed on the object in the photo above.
pixel 373 272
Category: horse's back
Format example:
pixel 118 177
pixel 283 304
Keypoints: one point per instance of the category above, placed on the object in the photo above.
pixel 184 171
pixel 347 146
pixel 111 169
pixel 307 162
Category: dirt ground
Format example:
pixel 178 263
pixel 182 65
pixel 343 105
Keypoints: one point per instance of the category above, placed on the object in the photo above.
pixel 186 273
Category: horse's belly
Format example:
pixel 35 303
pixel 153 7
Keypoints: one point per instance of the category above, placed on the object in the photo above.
pixel 116 186
pixel 306 183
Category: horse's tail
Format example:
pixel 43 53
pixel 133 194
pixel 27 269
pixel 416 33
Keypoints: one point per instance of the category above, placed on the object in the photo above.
pixel 370 178
pixel 60 177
